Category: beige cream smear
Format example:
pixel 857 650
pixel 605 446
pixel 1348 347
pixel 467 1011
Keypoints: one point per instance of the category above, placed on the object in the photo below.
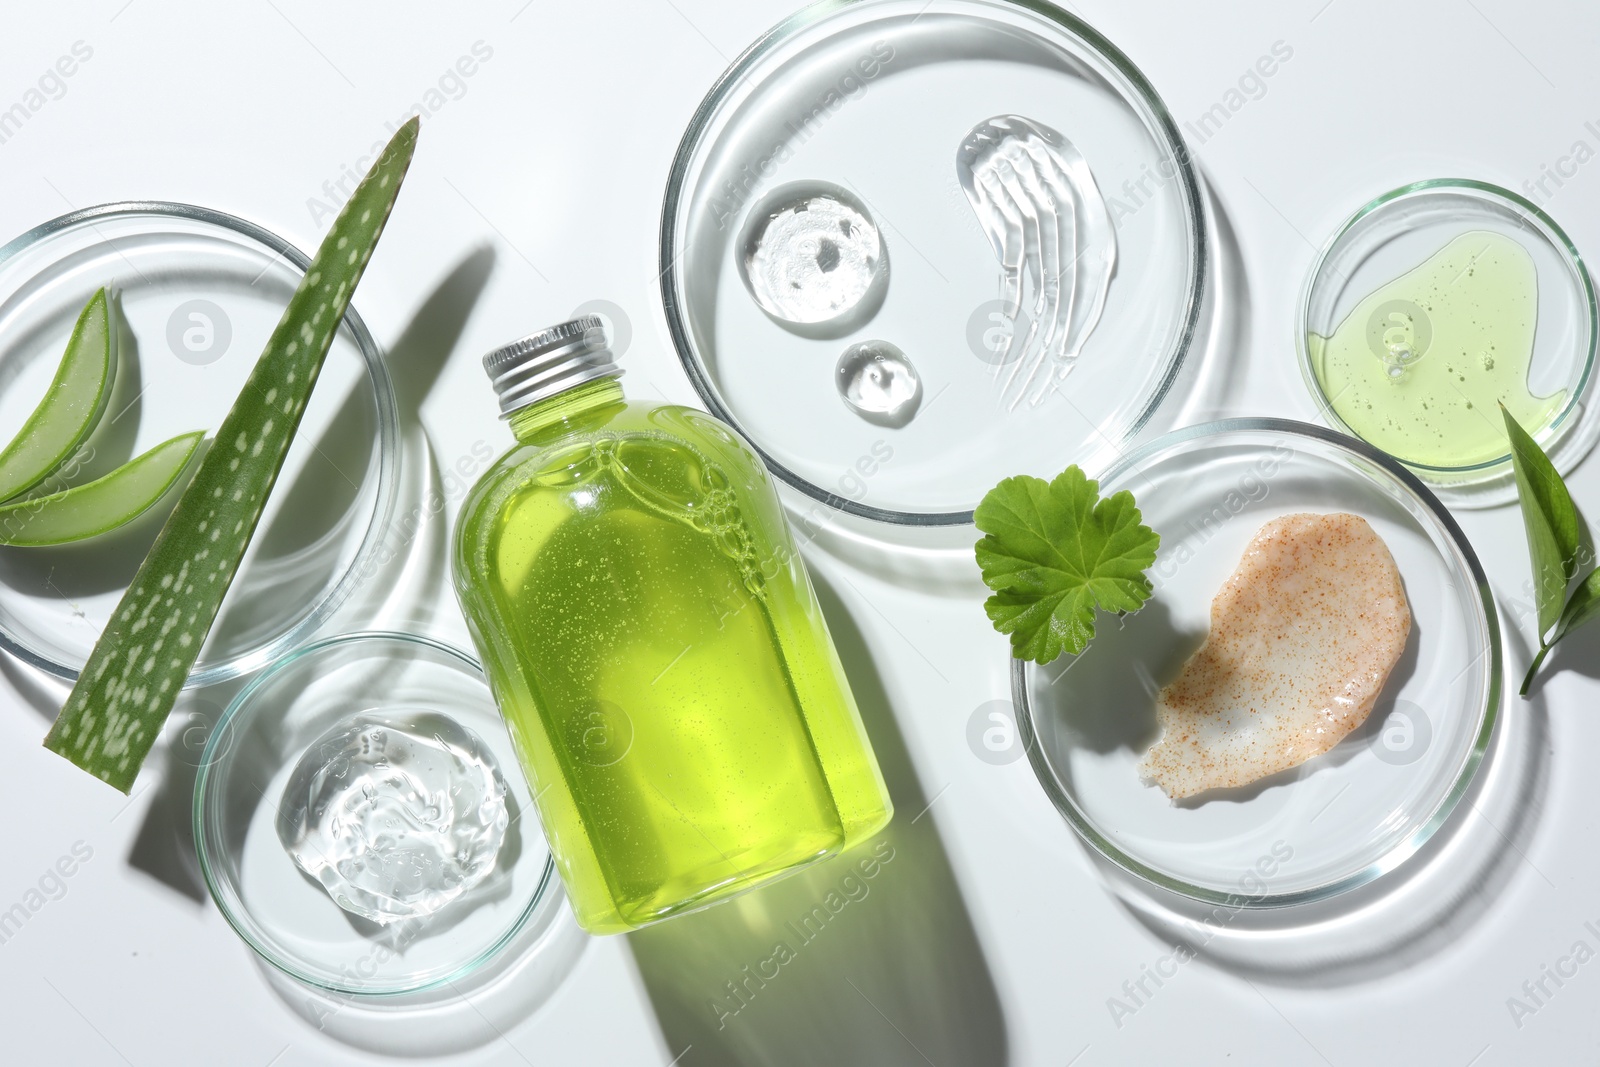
pixel 1303 637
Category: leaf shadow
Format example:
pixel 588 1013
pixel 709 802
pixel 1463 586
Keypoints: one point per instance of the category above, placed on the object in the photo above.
pixel 300 551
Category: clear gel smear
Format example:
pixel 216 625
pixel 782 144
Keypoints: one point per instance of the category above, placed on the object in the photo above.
pixel 1038 204
pixel 396 815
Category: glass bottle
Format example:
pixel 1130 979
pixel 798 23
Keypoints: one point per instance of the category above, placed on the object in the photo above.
pixel 654 644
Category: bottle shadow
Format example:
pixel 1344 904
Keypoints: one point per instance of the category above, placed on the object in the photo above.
pixel 868 957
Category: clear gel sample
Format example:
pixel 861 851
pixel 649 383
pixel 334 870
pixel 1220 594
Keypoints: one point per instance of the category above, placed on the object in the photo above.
pixel 396 815
pixel 813 256
pixel 879 383
pixel 1038 204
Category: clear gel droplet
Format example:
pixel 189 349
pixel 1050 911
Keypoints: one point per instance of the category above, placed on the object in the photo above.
pixel 813 257
pixel 879 383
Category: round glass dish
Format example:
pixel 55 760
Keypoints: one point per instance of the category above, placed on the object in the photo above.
pixel 1337 821
pixel 196 294
pixel 289 918
pixel 874 98
pixel 1397 233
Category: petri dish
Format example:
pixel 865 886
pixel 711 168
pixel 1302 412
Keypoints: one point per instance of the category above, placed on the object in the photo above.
pixel 288 918
pixel 1438 222
pixel 873 99
pixel 196 293
pixel 1335 822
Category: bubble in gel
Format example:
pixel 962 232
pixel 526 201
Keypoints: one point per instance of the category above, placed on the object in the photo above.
pixel 879 383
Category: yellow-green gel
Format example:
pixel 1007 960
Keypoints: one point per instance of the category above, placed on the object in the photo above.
pixel 1420 365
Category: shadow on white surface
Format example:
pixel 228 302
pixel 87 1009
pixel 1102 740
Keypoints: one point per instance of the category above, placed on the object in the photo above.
pixel 409 575
pixel 1213 376
pixel 933 560
pixel 38 690
pixel 164 847
pixel 869 957
pixel 458 1016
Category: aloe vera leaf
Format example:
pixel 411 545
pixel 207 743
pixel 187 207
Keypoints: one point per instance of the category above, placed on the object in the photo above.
pixel 69 411
pixel 100 506
pixel 137 668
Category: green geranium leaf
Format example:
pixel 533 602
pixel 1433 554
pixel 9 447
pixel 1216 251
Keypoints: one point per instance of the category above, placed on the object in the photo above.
pixel 1055 551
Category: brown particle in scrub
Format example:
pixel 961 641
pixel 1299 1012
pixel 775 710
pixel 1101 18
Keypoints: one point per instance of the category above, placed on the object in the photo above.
pixel 1303 636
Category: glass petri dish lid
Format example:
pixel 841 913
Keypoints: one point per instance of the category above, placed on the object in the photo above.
pixel 866 104
pixel 1432 304
pixel 196 293
pixel 290 919
pixel 1339 820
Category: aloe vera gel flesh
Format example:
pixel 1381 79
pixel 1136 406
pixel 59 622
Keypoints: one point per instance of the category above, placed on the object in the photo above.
pixel 654 644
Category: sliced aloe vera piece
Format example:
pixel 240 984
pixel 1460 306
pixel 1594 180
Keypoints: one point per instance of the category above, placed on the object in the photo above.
pixel 137 668
pixel 69 411
pixel 97 507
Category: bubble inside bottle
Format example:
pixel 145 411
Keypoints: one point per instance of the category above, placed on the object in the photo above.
pixel 879 383
pixel 396 815
pixel 812 257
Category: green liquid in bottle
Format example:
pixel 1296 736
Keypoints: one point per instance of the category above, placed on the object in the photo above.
pixel 659 655
pixel 1420 366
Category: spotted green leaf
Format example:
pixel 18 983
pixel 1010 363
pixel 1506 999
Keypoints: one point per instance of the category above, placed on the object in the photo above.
pixel 137 668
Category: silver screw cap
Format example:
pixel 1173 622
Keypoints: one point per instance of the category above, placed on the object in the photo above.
pixel 549 362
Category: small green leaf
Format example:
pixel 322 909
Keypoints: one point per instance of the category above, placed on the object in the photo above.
pixel 97 507
pixel 1554 531
pixel 69 411
pixel 1053 552
pixel 139 664
pixel 1551 520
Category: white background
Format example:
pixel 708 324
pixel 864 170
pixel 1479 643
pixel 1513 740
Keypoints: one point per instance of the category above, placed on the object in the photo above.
pixel 992 937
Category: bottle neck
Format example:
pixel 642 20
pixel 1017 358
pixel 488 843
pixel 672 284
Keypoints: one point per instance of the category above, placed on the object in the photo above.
pixel 560 414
